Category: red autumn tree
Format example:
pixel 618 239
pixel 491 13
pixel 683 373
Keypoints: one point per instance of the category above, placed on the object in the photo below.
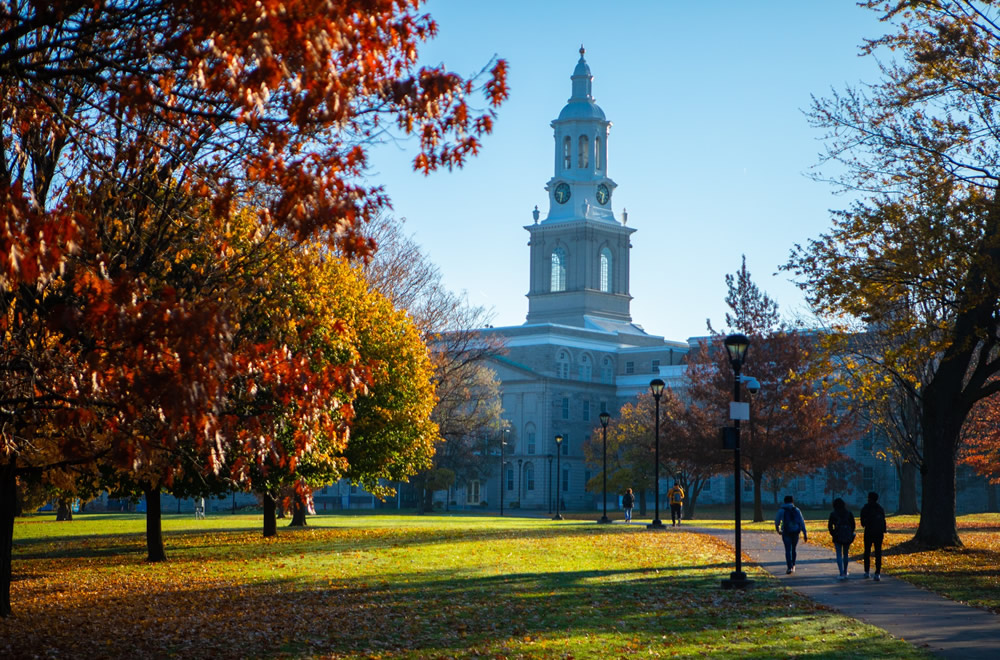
pixel 794 427
pixel 114 117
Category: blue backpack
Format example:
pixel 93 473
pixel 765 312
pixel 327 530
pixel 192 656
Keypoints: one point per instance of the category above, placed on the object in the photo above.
pixel 790 522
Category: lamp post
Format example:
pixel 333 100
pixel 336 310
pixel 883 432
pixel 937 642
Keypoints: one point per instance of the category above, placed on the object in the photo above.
pixel 549 456
pixel 519 461
pixel 605 418
pixel 559 440
pixel 656 387
pixel 736 346
pixel 503 463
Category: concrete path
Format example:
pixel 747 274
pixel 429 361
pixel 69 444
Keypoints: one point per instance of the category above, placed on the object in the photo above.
pixel 926 620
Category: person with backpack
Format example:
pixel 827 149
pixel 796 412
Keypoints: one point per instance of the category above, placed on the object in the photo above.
pixel 841 527
pixel 676 498
pixel 873 520
pixel 628 501
pixel 790 523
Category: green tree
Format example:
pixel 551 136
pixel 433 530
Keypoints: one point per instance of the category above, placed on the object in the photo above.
pixel 114 116
pixel 918 256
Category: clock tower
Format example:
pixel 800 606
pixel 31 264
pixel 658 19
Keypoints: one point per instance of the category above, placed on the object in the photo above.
pixel 580 251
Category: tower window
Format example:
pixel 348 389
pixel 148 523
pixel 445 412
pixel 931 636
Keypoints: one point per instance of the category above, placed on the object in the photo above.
pixel 567 161
pixel 558 270
pixel 583 152
pixel 597 153
pixel 562 365
pixel 605 270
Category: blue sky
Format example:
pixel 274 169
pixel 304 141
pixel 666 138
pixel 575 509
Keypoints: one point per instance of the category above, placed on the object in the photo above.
pixel 709 145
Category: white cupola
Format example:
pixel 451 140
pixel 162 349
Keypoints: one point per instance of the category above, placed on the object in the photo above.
pixel 580 252
pixel 580 187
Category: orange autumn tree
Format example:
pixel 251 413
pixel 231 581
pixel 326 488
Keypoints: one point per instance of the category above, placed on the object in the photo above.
pixel 794 428
pixel 981 439
pixel 113 115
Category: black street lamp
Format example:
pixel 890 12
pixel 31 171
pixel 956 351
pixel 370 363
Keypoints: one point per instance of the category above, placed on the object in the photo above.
pixel 559 440
pixel 519 461
pixel 549 456
pixel 736 346
pixel 656 387
pixel 503 463
pixel 605 418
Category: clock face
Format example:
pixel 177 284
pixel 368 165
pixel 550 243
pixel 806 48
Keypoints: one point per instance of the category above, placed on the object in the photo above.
pixel 603 194
pixel 562 193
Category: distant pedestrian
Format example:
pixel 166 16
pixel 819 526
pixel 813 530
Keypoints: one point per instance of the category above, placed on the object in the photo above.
pixel 628 501
pixel 873 520
pixel 790 523
pixel 676 498
pixel 841 526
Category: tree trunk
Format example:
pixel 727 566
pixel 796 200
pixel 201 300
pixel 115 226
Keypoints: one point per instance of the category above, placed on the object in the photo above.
pixel 642 502
pixel 758 505
pixel 154 529
pixel 941 424
pixel 64 510
pixel 298 513
pixel 692 500
pixel 270 520
pixel 8 504
pixel 908 505
pixel 991 498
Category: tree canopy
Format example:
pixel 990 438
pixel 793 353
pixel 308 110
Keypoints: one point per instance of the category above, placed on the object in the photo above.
pixel 917 257
pixel 134 136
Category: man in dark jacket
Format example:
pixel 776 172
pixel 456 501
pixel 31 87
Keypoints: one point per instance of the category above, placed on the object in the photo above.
pixel 789 523
pixel 873 520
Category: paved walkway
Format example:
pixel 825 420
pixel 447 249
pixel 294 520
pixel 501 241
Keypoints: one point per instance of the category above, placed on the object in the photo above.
pixel 924 619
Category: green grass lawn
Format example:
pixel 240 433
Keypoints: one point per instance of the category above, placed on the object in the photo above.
pixel 403 587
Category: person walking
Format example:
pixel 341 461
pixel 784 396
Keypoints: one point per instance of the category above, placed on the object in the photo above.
pixel 790 523
pixel 841 526
pixel 676 498
pixel 873 520
pixel 628 501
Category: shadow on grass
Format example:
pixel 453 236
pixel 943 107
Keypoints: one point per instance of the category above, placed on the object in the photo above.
pixel 440 612
pixel 291 539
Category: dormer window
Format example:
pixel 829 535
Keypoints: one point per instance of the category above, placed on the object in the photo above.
pixel 558 282
pixel 605 270
pixel 582 155
pixel 567 160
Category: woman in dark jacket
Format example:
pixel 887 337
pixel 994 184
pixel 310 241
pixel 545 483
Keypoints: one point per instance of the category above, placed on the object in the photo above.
pixel 628 500
pixel 841 528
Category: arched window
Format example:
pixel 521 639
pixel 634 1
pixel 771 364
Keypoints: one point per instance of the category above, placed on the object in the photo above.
pixel 605 270
pixel 529 476
pixel 607 371
pixel 558 270
pixel 582 159
pixel 567 161
pixel 597 153
pixel 586 368
pixel 562 364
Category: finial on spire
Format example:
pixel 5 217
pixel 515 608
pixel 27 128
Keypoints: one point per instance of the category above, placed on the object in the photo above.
pixel 582 50
pixel 535 214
